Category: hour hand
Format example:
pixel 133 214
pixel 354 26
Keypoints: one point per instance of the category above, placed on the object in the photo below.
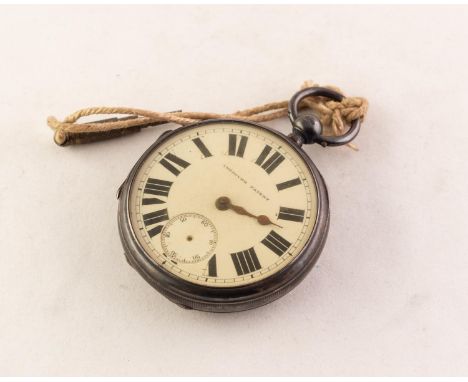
pixel 223 203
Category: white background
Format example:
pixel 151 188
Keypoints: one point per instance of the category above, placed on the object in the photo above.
pixel 389 293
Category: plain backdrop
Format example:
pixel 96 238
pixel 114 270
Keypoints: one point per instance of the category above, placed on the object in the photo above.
pixel 389 293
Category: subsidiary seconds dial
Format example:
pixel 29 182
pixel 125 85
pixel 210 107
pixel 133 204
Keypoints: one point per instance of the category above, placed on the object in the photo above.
pixel 189 238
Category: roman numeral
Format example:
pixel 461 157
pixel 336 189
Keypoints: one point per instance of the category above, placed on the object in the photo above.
pixel 153 218
pixel 201 146
pixel 148 201
pixel 156 187
pixel 276 243
pixel 155 231
pixel 291 214
pixel 233 149
pixel 245 261
pixel 272 162
pixel 170 160
pixel 212 271
pixel 288 184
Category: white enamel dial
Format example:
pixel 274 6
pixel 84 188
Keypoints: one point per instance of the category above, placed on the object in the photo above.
pixel 223 204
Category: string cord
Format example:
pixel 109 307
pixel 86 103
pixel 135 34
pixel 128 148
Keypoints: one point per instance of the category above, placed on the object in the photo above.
pixel 334 116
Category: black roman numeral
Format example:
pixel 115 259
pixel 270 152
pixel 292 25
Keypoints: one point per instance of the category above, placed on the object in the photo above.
pixel 170 160
pixel 156 187
pixel 276 243
pixel 154 218
pixel 212 270
pixel 201 146
pixel 291 214
pixel 272 162
pixel 233 149
pixel 288 184
pixel 245 261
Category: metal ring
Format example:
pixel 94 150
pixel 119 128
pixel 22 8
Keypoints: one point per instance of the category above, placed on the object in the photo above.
pixel 323 92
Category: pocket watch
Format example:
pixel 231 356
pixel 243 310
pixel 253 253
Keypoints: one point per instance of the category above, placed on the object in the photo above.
pixel 226 215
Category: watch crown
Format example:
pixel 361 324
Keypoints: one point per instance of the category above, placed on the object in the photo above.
pixel 309 127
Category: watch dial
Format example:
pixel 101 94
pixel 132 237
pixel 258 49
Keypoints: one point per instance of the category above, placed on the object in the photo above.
pixel 223 204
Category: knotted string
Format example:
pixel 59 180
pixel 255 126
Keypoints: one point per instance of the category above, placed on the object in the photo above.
pixel 334 116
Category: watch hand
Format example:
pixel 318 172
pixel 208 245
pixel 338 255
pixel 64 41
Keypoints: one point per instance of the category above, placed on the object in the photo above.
pixel 265 220
pixel 241 210
pixel 223 203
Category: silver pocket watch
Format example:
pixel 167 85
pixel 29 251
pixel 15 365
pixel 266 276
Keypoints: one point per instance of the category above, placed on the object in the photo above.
pixel 226 215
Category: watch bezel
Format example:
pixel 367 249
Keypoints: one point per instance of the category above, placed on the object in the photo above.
pixel 224 299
